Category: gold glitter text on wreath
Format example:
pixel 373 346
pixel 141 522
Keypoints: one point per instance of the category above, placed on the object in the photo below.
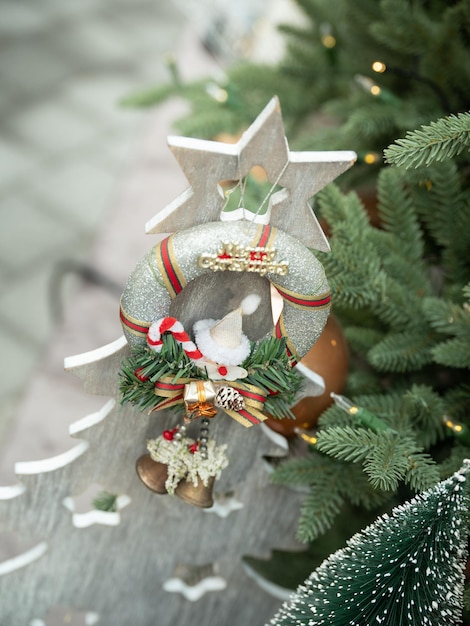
pixel 235 258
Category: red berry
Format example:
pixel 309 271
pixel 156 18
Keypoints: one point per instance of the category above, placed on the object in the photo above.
pixel 168 435
pixel 222 370
pixel 193 447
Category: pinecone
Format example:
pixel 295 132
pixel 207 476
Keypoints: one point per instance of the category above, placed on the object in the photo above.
pixel 229 398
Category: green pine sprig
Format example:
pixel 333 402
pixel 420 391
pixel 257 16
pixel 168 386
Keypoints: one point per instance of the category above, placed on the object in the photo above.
pixel 332 483
pixel 268 365
pixel 443 139
pixel 144 367
pixel 270 368
pixel 387 458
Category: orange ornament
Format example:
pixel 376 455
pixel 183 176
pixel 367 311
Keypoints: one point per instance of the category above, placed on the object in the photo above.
pixel 329 358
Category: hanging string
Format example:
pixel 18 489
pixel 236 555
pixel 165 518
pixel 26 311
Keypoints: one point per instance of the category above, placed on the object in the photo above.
pixel 241 201
pixel 242 183
pixel 229 192
pixel 273 187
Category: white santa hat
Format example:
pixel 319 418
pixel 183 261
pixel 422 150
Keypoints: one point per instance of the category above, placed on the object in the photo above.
pixel 223 341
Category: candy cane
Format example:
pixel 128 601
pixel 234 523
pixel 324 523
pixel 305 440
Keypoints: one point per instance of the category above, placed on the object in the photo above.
pixel 173 326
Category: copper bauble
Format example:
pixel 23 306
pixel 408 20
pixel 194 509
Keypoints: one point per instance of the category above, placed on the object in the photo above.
pixel 328 357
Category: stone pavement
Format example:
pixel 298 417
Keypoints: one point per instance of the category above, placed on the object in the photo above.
pixel 69 158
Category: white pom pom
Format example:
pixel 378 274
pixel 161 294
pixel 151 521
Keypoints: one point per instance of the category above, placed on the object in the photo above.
pixel 250 304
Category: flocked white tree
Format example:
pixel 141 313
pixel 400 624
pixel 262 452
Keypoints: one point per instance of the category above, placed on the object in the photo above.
pixel 406 568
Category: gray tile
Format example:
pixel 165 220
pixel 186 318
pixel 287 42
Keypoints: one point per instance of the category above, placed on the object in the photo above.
pixel 78 190
pixel 93 43
pixel 26 307
pixel 53 128
pixel 11 97
pixel 58 9
pixel 32 66
pixel 29 235
pixel 64 66
pixel 119 150
pixel 18 358
pixel 3 272
pixel 4 97
pixel 19 18
pixel 15 160
pixel 155 28
pixel 101 94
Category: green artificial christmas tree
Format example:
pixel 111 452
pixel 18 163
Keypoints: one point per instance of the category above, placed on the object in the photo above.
pixel 406 568
pixel 402 292
pixel 356 75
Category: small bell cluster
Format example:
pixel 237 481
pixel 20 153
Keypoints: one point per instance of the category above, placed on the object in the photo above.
pixel 181 466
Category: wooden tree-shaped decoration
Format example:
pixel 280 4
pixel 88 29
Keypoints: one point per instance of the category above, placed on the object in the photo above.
pixel 154 559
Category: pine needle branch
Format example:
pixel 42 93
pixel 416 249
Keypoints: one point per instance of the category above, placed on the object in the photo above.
pixel 387 458
pixel 324 502
pixel 422 472
pixel 424 408
pixel 402 352
pixel 300 472
pixel 453 353
pixel 318 512
pixel 347 443
pixel 444 139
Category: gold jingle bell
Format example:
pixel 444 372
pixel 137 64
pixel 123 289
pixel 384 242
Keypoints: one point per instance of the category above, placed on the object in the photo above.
pixel 152 473
pixel 197 495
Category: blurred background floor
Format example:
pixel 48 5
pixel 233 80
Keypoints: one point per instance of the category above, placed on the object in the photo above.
pixel 64 144
pixel 80 176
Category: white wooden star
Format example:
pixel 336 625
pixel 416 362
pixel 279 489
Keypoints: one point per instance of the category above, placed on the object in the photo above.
pixel 194 581
pixel 224 504
pixel 95 516
pixel 207 163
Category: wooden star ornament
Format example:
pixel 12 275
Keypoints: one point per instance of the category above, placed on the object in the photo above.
pixel 300 174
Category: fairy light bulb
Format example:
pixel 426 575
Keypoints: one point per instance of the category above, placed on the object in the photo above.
pixel 460 431
pixel 379 67
pixel 217 93
pixel 362 416
pixel 371 87
pixel 328 41
pixel 370 158
pixel 344 403
pixel 375 90
pixel 365 82
pixel 306 436
pixel 326 36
